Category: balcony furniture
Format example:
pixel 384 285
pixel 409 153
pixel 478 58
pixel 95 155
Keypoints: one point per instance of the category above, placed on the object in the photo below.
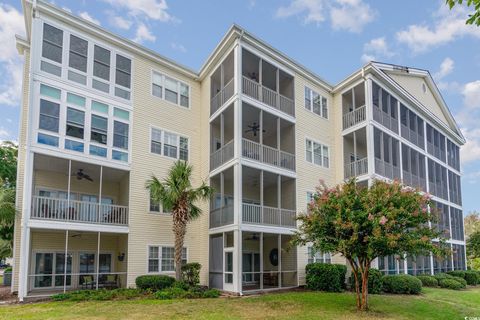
pixel 270 278
pixel 87 281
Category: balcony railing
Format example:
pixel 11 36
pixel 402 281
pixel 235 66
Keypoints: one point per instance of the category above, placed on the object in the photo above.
pixel 257 214
pixel 414 180
pixel 385 119
pixel 386 169
pixel 221 217
pixel 262 153
pixel 268 96
pixel 46 208
pixel 222 96
pixel 221 155
pixel 354 117
pixel 357 168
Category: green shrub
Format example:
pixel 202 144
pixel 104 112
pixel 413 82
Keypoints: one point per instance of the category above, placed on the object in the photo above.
pixel 182 285
pixel 402 284
pixel 440 276
pixel 99 295
pixel 472 277
pixel 154 282
pixel 192 293
pixel 8 269
pixel 375 282
pixel 450 284
pixel 457 273
pixel 325 277
pixel 461 280
pixel 191 273
pixel 428 281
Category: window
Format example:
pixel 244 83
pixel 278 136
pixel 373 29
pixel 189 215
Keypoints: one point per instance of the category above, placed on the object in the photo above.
pixel 170 89
pixel 386 151
pixel 412 127
pixel 229 267
pixel 454 188
pixel 174 146
pixel 317 153
pixel 52 43
pixel 101 63
pixel 385 107
pixel 78 53
pixel 122 71
pixel 453 155
pixel 49 115
pixel 163 258
pixel 154 206
pixel 318 256
pixel 47 140
pixel 436 143
pixel 75 122
pixel 99 129
pixel 120 135
pixel 316 103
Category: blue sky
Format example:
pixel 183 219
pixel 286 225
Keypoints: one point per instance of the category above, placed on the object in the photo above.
pixel 331 37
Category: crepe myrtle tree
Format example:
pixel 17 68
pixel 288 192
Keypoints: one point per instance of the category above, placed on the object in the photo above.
pixel 177 195
pixel 363 223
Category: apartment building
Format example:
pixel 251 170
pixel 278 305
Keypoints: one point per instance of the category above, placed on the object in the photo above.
pixel 102 114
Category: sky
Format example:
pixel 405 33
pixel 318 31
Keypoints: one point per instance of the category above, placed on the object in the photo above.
pixel 333 38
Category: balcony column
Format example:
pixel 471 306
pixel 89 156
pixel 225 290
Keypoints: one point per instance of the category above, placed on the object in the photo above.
pixel 69 186
pixel 369 127
pixel 355 163
pixel 98 261
pixel 260 79
pixel 279 163
pixel 100 193
pixel 261 196
pixel 353 99
pixel 222 195
pixel 279 244
pixel 279 198
pixel 261 260
pixel 278 87
pixel 222 130
pixel 65 264
pixel 261 135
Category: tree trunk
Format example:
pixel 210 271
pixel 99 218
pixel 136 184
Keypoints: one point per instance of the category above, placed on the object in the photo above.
pixel 364 304
pixel 357 284
pixel 179 230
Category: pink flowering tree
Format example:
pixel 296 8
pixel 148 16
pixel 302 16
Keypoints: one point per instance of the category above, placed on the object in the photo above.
pixel 365 223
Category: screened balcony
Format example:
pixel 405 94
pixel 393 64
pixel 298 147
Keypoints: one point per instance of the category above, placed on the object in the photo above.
pixel 222 84
pixel 222 138
pixel 267 83
pixel 355 154
pixel 76 192
pixel 221 205
pixel 267 138
pixel 268 198
pixel 353 106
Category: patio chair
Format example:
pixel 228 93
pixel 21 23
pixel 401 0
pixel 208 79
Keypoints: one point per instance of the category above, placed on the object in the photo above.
pixel 88 281
pixel 111 281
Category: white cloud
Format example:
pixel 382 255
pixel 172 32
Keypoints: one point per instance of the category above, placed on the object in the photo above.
pixel 471 94
pixel 375 49
pixel 143 34
pixel 447 26
pixel 313 10
pixel 85 15
pixel 178 47
pixel 10 62
pixel 150 9
pixel 446 67
pixel 120 22
pixel 5 135
pixel 350 15
pixel 67 9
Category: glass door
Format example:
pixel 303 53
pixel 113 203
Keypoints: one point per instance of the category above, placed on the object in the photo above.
pixel 87 269
pixel 60 270
pixel 43 270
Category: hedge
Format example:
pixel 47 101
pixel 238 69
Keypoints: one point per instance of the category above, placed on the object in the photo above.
pixel 154 282
pixel 402 284
pixel 428 281
pixel 450 284
pixel 461 280
pixel 375 282
pixel 457 273
pixel 191 273
pixel 325 277
pixel 192 293
pixel 472 277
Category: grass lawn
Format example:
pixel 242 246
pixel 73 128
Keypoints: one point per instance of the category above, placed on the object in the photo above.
pixel 432 304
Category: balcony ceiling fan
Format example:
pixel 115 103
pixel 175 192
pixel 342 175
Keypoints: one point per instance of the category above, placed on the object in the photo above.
pixel 254 128
pixel 82 175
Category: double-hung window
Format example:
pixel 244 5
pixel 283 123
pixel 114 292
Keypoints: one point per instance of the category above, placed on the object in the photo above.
pixel 49 115
pixel 120 135
pixel 75 123
pixel 316 103
pixel 174 145
pixel 52 43
pixel 78 53
pixel 171 90
pixel 101 68
pixel 318 256
pixel 317 153
pixel 123 71
pixel 99 129
pixel 162 259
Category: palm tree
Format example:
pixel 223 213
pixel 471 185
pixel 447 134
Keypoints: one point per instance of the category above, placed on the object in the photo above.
pixel 176 194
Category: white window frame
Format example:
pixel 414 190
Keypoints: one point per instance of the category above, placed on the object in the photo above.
pixel 322 156
pixel 164 75
pixel 323 100
pixel 159 252
pixel 160 208
pixel 318 256
pixel 162 149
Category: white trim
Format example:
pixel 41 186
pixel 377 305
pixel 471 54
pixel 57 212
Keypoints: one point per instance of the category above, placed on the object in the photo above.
pixel 76 226
pixel 160 247
pixel 163 75
pixel 310 109
pixel 163 131
pixel 322 145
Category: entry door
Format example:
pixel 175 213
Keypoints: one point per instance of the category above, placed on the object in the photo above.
pixel 86 268
pixel 49 269
pixel 251 267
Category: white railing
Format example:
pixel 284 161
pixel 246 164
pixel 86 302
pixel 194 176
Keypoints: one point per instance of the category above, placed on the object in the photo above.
pixel 221 216
pixel 268 96
pixel 356 168
pixel 222 96
pixel 46 208
pixel 262 153
pixel 386 169
pixel 354 117
pixel 221 155
pixel 257 214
